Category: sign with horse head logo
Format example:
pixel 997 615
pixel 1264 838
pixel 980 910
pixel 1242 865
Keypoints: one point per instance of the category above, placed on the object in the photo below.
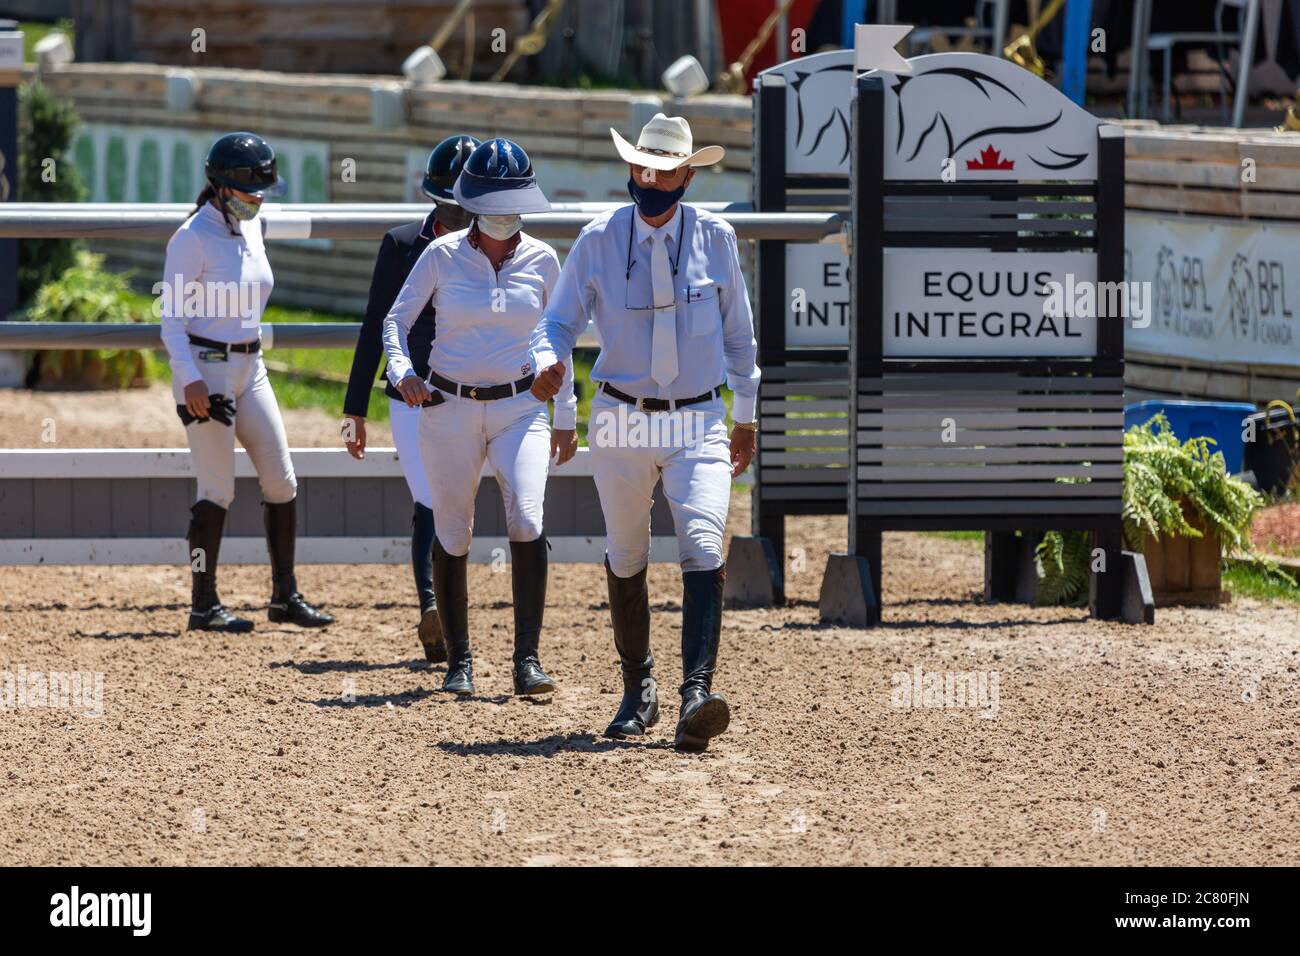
pixel 983 118
pixel 817 112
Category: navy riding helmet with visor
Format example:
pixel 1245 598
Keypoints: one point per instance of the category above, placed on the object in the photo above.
pixel 498 180
pixel 445 163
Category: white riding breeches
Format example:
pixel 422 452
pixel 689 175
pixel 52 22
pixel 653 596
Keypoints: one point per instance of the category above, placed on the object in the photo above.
pixel 242 379
pixel 689 451
pixel 404 422
pixel 513 436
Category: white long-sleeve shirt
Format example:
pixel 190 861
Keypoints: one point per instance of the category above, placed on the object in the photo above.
pixel 715 325
pixel 214 285
pixel 484 317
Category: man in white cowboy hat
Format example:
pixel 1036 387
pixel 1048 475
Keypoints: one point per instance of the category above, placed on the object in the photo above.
pixel 662 281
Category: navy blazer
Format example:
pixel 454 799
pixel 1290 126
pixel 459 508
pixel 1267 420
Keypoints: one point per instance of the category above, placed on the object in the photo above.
pixel 397 255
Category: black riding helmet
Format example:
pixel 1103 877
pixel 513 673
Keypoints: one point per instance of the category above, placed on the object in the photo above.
pixel 445 164
pixel 246 162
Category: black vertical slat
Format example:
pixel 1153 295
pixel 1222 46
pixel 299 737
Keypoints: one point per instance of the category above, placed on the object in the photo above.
pixel 868 264
pixel 1110 236
pixel 1106 588
pixel 767 519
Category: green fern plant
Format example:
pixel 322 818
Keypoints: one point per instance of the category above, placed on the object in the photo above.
pixel 1162 476
pixel 86 293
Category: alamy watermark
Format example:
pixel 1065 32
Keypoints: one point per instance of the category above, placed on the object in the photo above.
pixel 974 690
pixel 627 427
pixel 56 690
pixel 193 300
pixel 1086 299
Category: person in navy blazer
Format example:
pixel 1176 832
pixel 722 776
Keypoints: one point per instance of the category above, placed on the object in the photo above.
pixel 398 252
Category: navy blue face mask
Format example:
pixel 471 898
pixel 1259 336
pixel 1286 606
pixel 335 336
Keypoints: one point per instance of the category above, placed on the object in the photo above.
pixel 653 202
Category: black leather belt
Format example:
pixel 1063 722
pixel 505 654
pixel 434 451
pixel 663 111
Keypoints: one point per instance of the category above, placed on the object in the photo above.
pixel 245 347
pixel 659 404
pixel 481 393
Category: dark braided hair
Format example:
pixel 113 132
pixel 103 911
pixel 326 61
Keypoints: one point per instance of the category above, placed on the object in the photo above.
pixel 207 195
pixel 204 198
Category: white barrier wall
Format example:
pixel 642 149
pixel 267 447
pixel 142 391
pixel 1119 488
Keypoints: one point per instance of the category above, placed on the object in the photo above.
pixel 131 506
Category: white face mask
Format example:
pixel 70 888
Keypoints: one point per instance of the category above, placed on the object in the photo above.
pixel 500 227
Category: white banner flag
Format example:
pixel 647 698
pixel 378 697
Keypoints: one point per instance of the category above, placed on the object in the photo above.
pixel 1222 291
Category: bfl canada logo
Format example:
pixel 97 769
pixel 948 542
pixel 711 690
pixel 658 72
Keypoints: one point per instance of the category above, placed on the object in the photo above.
pixel 134 910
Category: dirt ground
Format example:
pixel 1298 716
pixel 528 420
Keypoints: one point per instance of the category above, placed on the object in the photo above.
pixel 1276 530
pixel 137 418
pixel 1097 743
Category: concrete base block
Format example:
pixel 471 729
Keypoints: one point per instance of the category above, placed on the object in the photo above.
pixel 753 573
pixel 847 596
pixel 1138 603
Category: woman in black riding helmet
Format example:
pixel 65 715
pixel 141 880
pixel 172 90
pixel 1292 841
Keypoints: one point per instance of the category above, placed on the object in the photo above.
pixel 397 254
pixel 222 392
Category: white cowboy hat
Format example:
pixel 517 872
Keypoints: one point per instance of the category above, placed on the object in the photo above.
pixel 665 143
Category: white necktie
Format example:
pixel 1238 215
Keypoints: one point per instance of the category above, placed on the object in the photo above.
pixel 663 346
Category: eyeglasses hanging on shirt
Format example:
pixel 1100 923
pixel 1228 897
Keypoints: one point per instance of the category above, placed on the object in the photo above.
pixel 627 298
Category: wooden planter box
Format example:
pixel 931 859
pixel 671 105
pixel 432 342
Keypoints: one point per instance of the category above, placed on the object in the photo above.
pixel 1186 570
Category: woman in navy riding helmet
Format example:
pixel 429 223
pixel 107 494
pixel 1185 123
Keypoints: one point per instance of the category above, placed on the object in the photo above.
pixel 397 254
pixel 219 381
pixel 489 285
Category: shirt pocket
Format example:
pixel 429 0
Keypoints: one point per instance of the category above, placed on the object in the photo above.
pixel 523 299
pixel 703 310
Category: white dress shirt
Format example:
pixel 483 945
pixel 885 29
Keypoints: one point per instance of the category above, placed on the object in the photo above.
pixel 484 317
pixel 715 325
pixel 214 285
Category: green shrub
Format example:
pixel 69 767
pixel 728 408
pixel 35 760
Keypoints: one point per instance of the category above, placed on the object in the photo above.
pixel 86 293
pixel 45 128
pixel 1162 476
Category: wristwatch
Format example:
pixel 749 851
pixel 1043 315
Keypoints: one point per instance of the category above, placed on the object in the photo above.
pixel 748 426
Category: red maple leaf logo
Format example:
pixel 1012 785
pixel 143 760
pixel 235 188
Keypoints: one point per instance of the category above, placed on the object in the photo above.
pixel 990 158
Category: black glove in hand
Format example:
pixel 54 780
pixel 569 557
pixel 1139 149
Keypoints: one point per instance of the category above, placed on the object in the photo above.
pixel 219 407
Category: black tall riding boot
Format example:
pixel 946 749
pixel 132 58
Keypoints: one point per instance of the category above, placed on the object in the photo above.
pixel 704 714
pixel 435 651
pixel 449 583
pixel 207 519
pixel 528 572
pixel 287 605
pixel 629 612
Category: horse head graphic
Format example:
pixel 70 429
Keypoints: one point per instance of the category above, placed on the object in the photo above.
pixel 1166 283
pixel 942 111
pixel 1241 297
pixel 820 111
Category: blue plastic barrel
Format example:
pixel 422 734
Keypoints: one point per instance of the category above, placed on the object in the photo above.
pixel 1222 421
